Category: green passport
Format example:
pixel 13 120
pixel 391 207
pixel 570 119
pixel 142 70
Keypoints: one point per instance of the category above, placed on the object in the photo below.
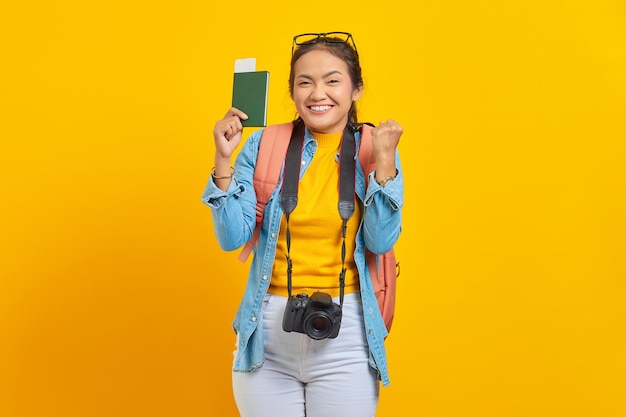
pixel 250 96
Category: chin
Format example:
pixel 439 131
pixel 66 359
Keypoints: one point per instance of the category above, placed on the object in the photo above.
pixel 318 125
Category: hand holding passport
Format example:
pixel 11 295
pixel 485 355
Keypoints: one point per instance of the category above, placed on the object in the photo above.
pixel 250 90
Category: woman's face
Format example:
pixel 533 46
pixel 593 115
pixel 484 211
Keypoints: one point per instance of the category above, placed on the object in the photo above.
pixel 323 91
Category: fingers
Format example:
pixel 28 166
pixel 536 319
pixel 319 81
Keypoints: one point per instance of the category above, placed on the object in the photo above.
pixel 227 132
pixel 391 124
pixel 230 125
pixel 233 111
pixel 389 128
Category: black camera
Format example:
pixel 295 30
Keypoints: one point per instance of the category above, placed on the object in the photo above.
pixel 316 316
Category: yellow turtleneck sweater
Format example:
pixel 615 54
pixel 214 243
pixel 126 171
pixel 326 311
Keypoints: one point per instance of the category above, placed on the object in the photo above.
pixel 315 227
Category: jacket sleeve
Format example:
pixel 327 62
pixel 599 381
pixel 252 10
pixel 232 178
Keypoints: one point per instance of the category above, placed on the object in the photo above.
pixel 233 210
pixel 382 217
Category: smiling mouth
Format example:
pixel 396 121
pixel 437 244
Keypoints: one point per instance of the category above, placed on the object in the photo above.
pixel 320 108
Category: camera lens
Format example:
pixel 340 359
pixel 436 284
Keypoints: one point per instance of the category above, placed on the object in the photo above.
pixel 318 326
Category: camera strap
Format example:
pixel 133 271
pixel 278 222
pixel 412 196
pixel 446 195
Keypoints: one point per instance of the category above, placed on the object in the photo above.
pixel 289 192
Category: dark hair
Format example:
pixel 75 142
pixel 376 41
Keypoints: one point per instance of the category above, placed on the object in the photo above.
pixel 341 50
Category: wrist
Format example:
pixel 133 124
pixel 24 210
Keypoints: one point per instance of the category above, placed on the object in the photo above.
pixel 216 175
pixel 382 179
pixel 385 166
pixel 222 168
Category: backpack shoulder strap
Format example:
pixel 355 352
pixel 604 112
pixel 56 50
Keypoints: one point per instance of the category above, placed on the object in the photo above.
pixel 365 151
pixel 272 150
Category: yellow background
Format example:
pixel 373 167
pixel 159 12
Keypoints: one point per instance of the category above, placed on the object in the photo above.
pixel 115 299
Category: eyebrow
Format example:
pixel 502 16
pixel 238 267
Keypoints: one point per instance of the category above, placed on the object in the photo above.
pixel 328 74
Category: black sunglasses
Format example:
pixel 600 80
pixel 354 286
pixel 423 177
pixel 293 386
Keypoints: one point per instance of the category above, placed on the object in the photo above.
pixel 328 37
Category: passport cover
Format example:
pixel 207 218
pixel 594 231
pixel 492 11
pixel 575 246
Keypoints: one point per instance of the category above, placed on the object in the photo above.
pixel 250 96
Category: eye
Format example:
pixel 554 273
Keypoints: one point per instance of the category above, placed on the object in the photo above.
pixel 333 81
pixel 304 82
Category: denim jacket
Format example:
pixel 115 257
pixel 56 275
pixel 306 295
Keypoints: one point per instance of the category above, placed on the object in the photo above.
pixel 234 220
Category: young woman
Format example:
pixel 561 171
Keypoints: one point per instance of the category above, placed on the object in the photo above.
pixel 298 354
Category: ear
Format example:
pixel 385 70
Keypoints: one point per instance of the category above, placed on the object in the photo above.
pixel 356 94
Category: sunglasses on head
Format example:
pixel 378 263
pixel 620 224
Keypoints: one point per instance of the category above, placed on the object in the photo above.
pixel 328 37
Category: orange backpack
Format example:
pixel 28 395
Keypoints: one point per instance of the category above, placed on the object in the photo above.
pixel 272 150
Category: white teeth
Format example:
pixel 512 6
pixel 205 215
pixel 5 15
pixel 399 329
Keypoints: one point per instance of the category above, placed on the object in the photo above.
pixel 320 108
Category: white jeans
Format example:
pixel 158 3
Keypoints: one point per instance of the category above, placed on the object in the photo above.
pixel 306 377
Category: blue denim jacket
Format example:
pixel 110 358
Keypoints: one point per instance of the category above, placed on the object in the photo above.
pixel 234 220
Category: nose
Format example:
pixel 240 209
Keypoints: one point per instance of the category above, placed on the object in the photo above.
pixel 319 92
